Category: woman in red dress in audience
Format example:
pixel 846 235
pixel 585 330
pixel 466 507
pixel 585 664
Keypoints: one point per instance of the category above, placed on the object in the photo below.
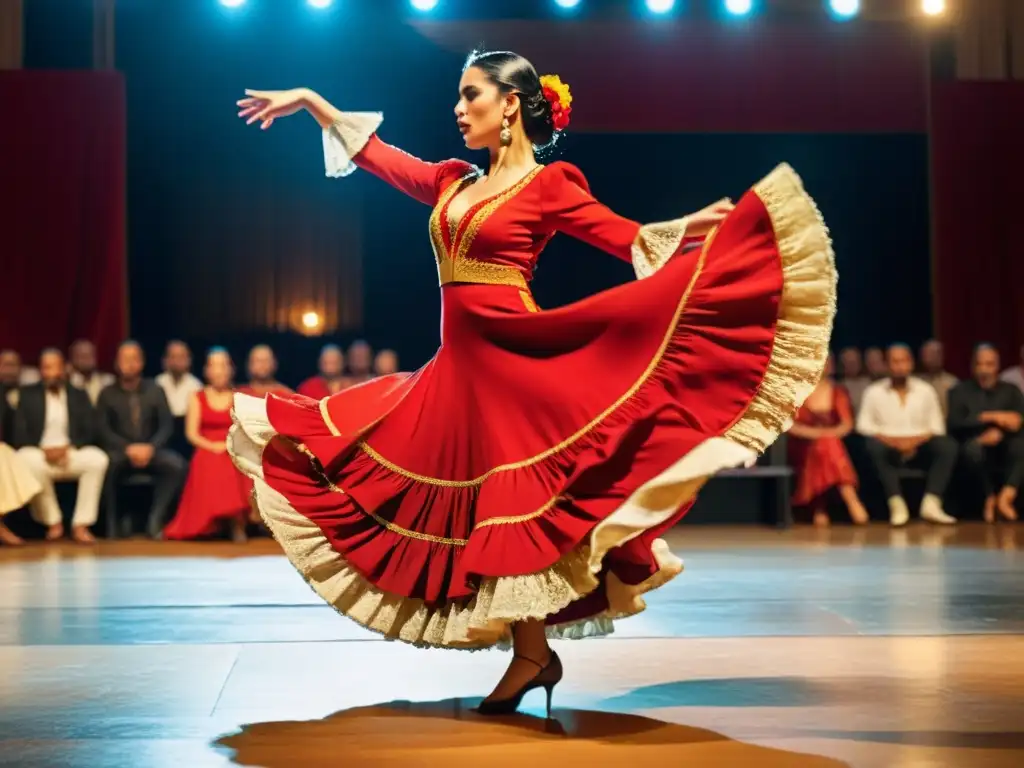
pixel 817 453
pixel 215 493
pixel 515 487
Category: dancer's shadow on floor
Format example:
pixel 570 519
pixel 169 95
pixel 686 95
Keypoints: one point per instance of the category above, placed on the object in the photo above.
pixel 449 733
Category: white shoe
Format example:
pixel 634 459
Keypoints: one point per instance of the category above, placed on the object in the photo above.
pixel 932 511
pixel 899 515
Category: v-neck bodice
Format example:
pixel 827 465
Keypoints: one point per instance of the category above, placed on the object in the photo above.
pixel 496 240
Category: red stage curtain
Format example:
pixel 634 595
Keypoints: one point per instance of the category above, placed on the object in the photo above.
pixel 636 77
pixel 977 167
pixel 62 140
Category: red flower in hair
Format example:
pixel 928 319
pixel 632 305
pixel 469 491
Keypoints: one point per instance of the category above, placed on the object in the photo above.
pixel 558 95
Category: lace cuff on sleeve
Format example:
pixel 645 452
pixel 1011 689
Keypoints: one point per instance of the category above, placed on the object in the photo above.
pixel 655 244
pixel 346 138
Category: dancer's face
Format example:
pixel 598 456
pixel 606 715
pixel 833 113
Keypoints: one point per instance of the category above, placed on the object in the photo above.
pixel 480 109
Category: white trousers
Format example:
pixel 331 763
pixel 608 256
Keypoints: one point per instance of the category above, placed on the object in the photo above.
pixel 87 465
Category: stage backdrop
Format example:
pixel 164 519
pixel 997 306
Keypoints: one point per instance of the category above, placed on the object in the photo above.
pixel 62 144
pixel 977 167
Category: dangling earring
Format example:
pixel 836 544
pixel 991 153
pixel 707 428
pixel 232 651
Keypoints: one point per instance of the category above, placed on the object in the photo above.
pixel 505 137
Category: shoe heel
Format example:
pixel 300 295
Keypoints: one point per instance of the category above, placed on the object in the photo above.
pixel 549 689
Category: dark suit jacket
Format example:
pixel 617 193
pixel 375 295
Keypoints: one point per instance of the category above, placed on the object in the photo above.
pixel 6 416
pixel 156 425
pixel 30 417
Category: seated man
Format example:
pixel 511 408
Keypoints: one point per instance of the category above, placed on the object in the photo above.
pixel 135 425
pixel 901 419
pixel 54 431
pixel 933 371
pixel 985 414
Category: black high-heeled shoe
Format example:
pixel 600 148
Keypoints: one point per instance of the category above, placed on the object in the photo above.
pixel 549 676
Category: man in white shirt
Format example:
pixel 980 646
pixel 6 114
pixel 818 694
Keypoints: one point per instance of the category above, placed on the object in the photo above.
pixel 54 429
pixel 83 371
pixel 177 380
pixel 901 419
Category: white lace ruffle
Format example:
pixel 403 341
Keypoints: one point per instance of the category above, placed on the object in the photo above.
pixel 346 138
pixel 655 244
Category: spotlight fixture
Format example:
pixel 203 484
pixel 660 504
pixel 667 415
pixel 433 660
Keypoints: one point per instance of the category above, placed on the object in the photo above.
pixel 660 6
pixel 845 9
pixel 739 7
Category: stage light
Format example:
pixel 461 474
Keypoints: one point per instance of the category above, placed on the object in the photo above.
pixel 232 3
pixel 933 7
pixel 660 6
pixel 567 4
pixel 311 320
pixel 739 7
pixel 320 3
pixel 423 5
pixel 845 8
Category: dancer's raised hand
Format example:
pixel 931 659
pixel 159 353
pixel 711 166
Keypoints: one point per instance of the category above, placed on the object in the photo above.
pixel 266 106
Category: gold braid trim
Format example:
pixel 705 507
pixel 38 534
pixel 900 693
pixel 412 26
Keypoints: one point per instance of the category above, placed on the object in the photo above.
pixel 806 311
pixel 394 528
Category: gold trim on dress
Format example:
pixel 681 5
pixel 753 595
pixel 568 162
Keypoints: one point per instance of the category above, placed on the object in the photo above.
pixel 327 418
pixel 474 219
pixel 393 527
pixel 481 272
pixel 528 302
pixel 453 264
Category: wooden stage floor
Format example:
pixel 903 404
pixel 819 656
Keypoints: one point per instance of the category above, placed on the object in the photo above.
pixel 797 649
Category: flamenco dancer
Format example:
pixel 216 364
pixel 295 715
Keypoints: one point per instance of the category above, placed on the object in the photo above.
pixel 515 487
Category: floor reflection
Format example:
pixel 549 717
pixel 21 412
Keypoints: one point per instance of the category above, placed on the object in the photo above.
pixel 450 733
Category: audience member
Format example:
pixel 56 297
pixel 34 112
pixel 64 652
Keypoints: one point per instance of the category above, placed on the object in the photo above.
pixel 262 368
pixel 84 373
pixel 985 415
pixel 13 374
pixel 817 453
pixel 135 425
pixel 1015 374
pixel 875 363
pixel 331 377
pixel 55 432
pixel 385 363
pixel 852 376
pixel 18 485
pixel 215 492
pixel 902 421
pixel 933 370
pixel 177 380
pixel 10 369
pixel 178 385
pixel 360 362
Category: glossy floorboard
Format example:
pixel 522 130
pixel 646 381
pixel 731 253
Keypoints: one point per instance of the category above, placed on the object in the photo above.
pixel 862 648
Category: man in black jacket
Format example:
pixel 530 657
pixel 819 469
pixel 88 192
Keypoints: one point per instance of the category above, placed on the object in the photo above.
pixel 55 432
pixel 135 425
pixel 986 415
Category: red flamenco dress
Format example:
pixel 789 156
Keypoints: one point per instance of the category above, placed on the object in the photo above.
pixel 517 475
pixel 823 463
pixel 215 491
